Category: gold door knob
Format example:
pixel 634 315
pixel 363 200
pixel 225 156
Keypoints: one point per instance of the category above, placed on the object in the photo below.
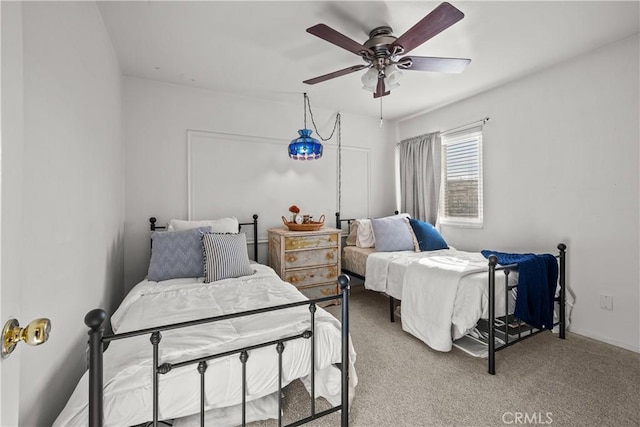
pixel 36 333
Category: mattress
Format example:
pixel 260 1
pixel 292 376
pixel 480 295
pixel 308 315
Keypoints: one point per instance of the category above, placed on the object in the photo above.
pixel 354 259
pixel 128 365
pixel 387 269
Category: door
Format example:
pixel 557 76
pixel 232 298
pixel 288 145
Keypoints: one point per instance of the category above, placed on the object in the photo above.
pixel 11 179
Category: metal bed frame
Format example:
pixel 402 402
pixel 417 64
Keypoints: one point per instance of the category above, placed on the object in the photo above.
pixel 494 324
pixel 393 303
pixel 97 339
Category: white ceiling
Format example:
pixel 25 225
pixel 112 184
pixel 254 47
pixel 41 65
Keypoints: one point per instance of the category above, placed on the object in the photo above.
pixel 261 49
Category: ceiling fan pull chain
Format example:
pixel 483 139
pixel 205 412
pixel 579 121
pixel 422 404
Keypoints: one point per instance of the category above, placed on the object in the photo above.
pixel 380 112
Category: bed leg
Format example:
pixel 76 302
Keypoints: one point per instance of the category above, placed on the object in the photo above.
pixel 392 307
pixel 255 237
pixel 312 310
pixel 344 280
pixel 493 261
pixel 202 368
pixel 155 339
pixel 563 289
pixel 94 320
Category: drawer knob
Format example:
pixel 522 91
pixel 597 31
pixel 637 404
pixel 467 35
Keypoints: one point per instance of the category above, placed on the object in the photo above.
pixel 291 258
pixel 329 255
pixel 294 279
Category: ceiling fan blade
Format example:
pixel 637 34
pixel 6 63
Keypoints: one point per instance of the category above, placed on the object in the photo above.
pixel 335 74
pixel 440 18
pixel 380 89
pixel 441 65
pixel 332 36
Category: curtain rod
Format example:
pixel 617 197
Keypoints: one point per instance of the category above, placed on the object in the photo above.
pixel 483 121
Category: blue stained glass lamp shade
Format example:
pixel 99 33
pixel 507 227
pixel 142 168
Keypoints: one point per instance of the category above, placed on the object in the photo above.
pixel 305 147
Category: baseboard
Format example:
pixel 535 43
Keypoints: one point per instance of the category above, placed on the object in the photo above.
pixel 626 346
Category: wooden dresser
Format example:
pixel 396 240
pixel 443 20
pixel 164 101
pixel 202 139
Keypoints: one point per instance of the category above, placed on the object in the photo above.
pixel 310 260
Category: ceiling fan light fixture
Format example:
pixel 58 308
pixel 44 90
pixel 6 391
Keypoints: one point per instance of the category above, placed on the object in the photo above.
pixel 370 79
pixel 392 78
pixel 383 48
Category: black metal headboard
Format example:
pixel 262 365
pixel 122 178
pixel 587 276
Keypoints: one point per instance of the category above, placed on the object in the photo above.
pixel 154 227
pixel 339 221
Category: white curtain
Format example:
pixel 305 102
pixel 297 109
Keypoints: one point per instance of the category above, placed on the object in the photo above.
pixel 419 159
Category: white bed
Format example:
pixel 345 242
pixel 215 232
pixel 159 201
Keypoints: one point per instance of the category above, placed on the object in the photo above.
pixel 128 365
pixel 443 292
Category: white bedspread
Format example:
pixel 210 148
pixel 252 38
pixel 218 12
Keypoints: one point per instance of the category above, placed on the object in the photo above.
pixel 429 294
pixel 128 365
pixel 385 270
pixel 447 291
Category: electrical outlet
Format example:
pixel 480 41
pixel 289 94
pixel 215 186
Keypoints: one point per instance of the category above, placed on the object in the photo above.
pixel 606 302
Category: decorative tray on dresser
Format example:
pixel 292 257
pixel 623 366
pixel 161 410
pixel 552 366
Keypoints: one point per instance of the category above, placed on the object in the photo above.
pixel 310 260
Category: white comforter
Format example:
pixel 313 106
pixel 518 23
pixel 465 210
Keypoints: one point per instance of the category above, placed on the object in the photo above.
pixel 444 293
pixel 128 365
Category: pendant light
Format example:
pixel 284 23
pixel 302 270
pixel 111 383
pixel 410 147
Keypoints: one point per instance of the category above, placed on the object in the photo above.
pixel 305 147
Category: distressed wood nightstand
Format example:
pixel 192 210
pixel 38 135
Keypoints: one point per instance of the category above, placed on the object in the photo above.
pixel 310 260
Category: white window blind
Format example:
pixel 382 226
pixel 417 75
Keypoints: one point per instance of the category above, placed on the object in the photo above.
pixel 461 199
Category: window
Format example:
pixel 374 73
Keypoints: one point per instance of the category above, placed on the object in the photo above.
pixel 461 197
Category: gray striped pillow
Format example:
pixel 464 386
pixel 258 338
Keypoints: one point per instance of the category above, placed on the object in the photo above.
pixel 225 256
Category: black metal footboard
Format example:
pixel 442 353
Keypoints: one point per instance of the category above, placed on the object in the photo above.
pixel 523 331
pixel 95 318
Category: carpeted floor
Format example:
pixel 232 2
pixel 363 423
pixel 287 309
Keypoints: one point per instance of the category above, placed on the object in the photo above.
pixel 543 380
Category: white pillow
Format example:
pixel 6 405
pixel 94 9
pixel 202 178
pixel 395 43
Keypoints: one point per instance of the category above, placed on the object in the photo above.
pixel 222 225
pixel 365 237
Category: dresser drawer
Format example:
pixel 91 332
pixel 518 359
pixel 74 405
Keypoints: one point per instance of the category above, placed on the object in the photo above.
pixel 310 258
pixel 320 291
pixel 311 276
pixel 309 242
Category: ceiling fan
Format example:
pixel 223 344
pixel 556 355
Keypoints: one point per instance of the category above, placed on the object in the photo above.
pixel 381 52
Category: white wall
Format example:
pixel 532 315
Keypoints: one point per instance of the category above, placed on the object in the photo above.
pixel 12 138
pixel 156 118
pixel 561 165
pixel 72 194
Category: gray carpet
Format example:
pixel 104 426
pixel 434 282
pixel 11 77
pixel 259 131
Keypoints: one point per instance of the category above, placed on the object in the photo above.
pixel 543 380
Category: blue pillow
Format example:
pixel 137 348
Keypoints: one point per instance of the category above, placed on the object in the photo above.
pixel 176 254
pixel 428 237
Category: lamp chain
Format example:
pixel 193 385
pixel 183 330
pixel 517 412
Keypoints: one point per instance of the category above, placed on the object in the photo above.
pixel 336 125
pixel 315 127
pixel 339 120
pixel 305 100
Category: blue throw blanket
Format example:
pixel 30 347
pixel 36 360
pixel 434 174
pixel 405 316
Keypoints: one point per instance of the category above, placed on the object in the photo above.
pixel 537 278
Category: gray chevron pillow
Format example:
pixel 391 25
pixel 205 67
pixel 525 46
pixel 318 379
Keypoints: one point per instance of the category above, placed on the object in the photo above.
pixel 176 254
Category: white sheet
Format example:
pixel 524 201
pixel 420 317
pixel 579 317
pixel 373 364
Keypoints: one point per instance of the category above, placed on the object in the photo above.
pixel 127 363
pixel 423 305
pixel 377 278
pixel 430 290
